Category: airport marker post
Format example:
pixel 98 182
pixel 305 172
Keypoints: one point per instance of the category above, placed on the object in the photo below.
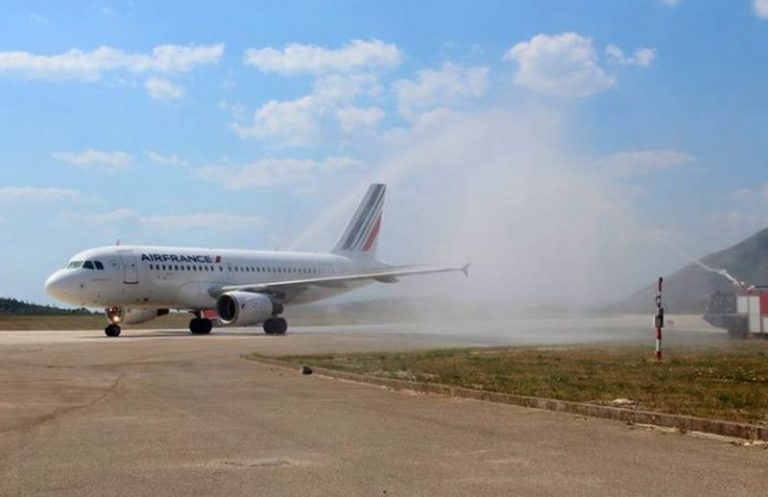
pixel 659 320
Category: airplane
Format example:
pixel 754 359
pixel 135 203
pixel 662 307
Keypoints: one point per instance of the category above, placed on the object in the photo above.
pixel 135 284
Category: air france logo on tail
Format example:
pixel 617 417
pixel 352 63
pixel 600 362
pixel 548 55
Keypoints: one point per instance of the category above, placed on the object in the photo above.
pixel 363 229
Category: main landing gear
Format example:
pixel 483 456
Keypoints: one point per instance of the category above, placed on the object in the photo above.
pixel 275 326
pixel 200 326
pixel 112 330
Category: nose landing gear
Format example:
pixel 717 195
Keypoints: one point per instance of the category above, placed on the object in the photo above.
pixel 112 330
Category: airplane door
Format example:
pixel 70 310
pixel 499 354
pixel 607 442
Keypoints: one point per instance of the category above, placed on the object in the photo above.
pixel 130 268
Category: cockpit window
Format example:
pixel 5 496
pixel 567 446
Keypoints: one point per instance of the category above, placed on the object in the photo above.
pixel 98 265
pixel 74 264
pixel 88 265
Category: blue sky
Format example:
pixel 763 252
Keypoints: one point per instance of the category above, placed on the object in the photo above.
pixel 258 124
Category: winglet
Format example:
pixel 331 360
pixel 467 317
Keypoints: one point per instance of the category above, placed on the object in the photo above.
pixel 465 269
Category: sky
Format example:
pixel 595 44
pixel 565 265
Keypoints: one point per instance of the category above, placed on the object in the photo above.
pixel 570 149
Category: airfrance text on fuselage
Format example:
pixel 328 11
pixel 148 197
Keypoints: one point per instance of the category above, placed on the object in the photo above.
pixel 180 258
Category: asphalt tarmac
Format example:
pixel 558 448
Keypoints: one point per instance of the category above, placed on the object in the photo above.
pixel 165 413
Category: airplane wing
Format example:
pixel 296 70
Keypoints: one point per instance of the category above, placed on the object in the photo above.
pixel 289 288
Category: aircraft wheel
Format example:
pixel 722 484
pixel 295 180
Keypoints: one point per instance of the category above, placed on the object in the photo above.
pixel 281 326
pixel 275 326
pixel 112 330
pixel 200 326
pixel 269 326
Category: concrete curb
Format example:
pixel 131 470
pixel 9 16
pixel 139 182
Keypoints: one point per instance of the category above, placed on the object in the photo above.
pixel 629 416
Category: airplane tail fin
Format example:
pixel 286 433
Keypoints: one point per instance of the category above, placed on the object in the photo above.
pixel 360 238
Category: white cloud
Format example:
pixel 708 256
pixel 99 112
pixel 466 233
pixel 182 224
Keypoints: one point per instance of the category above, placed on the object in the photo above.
pixel 761 8
pixel 13 194
pixel 165 160
pixel 294 122
pixel 756 196
pixel 440 87
pixel 356 118
pixel 208 221
pixel 105 162
pixel 238 111
pixel 297 58
pixel 347 87
pixel 565 65
pixel 304 120
pixel 162 89
pixel 641 57
pixel 640 162
pixel 34 16
pixel 273 172
pixel 106 218
pixel 91 65
pixel 744 212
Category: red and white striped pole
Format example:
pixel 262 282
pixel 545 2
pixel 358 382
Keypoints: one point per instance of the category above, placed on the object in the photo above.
pixel 659 321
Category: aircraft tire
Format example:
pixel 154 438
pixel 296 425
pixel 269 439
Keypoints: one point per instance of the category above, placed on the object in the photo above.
pixel 112 330
pixel 269 326
pixel 200 326
pixel 281 326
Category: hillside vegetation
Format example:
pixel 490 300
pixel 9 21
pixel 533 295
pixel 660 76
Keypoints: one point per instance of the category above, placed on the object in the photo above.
pixel 13 307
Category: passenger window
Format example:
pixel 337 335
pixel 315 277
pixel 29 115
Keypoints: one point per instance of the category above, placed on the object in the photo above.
pixel 151 267
pixel 88 265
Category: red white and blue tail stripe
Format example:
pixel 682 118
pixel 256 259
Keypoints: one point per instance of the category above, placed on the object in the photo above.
pixel 360 236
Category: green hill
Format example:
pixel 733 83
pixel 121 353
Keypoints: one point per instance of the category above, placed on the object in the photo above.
pixel 13 307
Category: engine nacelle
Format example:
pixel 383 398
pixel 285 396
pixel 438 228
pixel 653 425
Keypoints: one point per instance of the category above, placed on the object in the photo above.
pixel 244 308
pixel 118 315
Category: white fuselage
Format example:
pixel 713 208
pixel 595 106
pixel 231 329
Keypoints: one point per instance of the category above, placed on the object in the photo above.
pixel 180 278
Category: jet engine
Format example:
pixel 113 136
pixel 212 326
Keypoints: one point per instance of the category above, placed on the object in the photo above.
pixel 118 315
pixel 244 308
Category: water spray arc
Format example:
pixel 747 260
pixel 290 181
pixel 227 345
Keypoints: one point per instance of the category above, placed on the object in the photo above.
pixel 722 272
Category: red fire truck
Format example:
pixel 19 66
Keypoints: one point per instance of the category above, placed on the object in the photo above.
pixel 741 312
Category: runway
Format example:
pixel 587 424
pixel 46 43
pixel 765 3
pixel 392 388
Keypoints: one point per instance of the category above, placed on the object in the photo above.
pixel 166 413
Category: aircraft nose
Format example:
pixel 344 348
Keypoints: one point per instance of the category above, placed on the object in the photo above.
pixel 55 286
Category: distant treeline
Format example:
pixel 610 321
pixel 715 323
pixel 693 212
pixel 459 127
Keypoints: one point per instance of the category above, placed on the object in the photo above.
pixel 15 307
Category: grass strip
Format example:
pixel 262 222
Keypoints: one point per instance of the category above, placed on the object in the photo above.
pixel 728 381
